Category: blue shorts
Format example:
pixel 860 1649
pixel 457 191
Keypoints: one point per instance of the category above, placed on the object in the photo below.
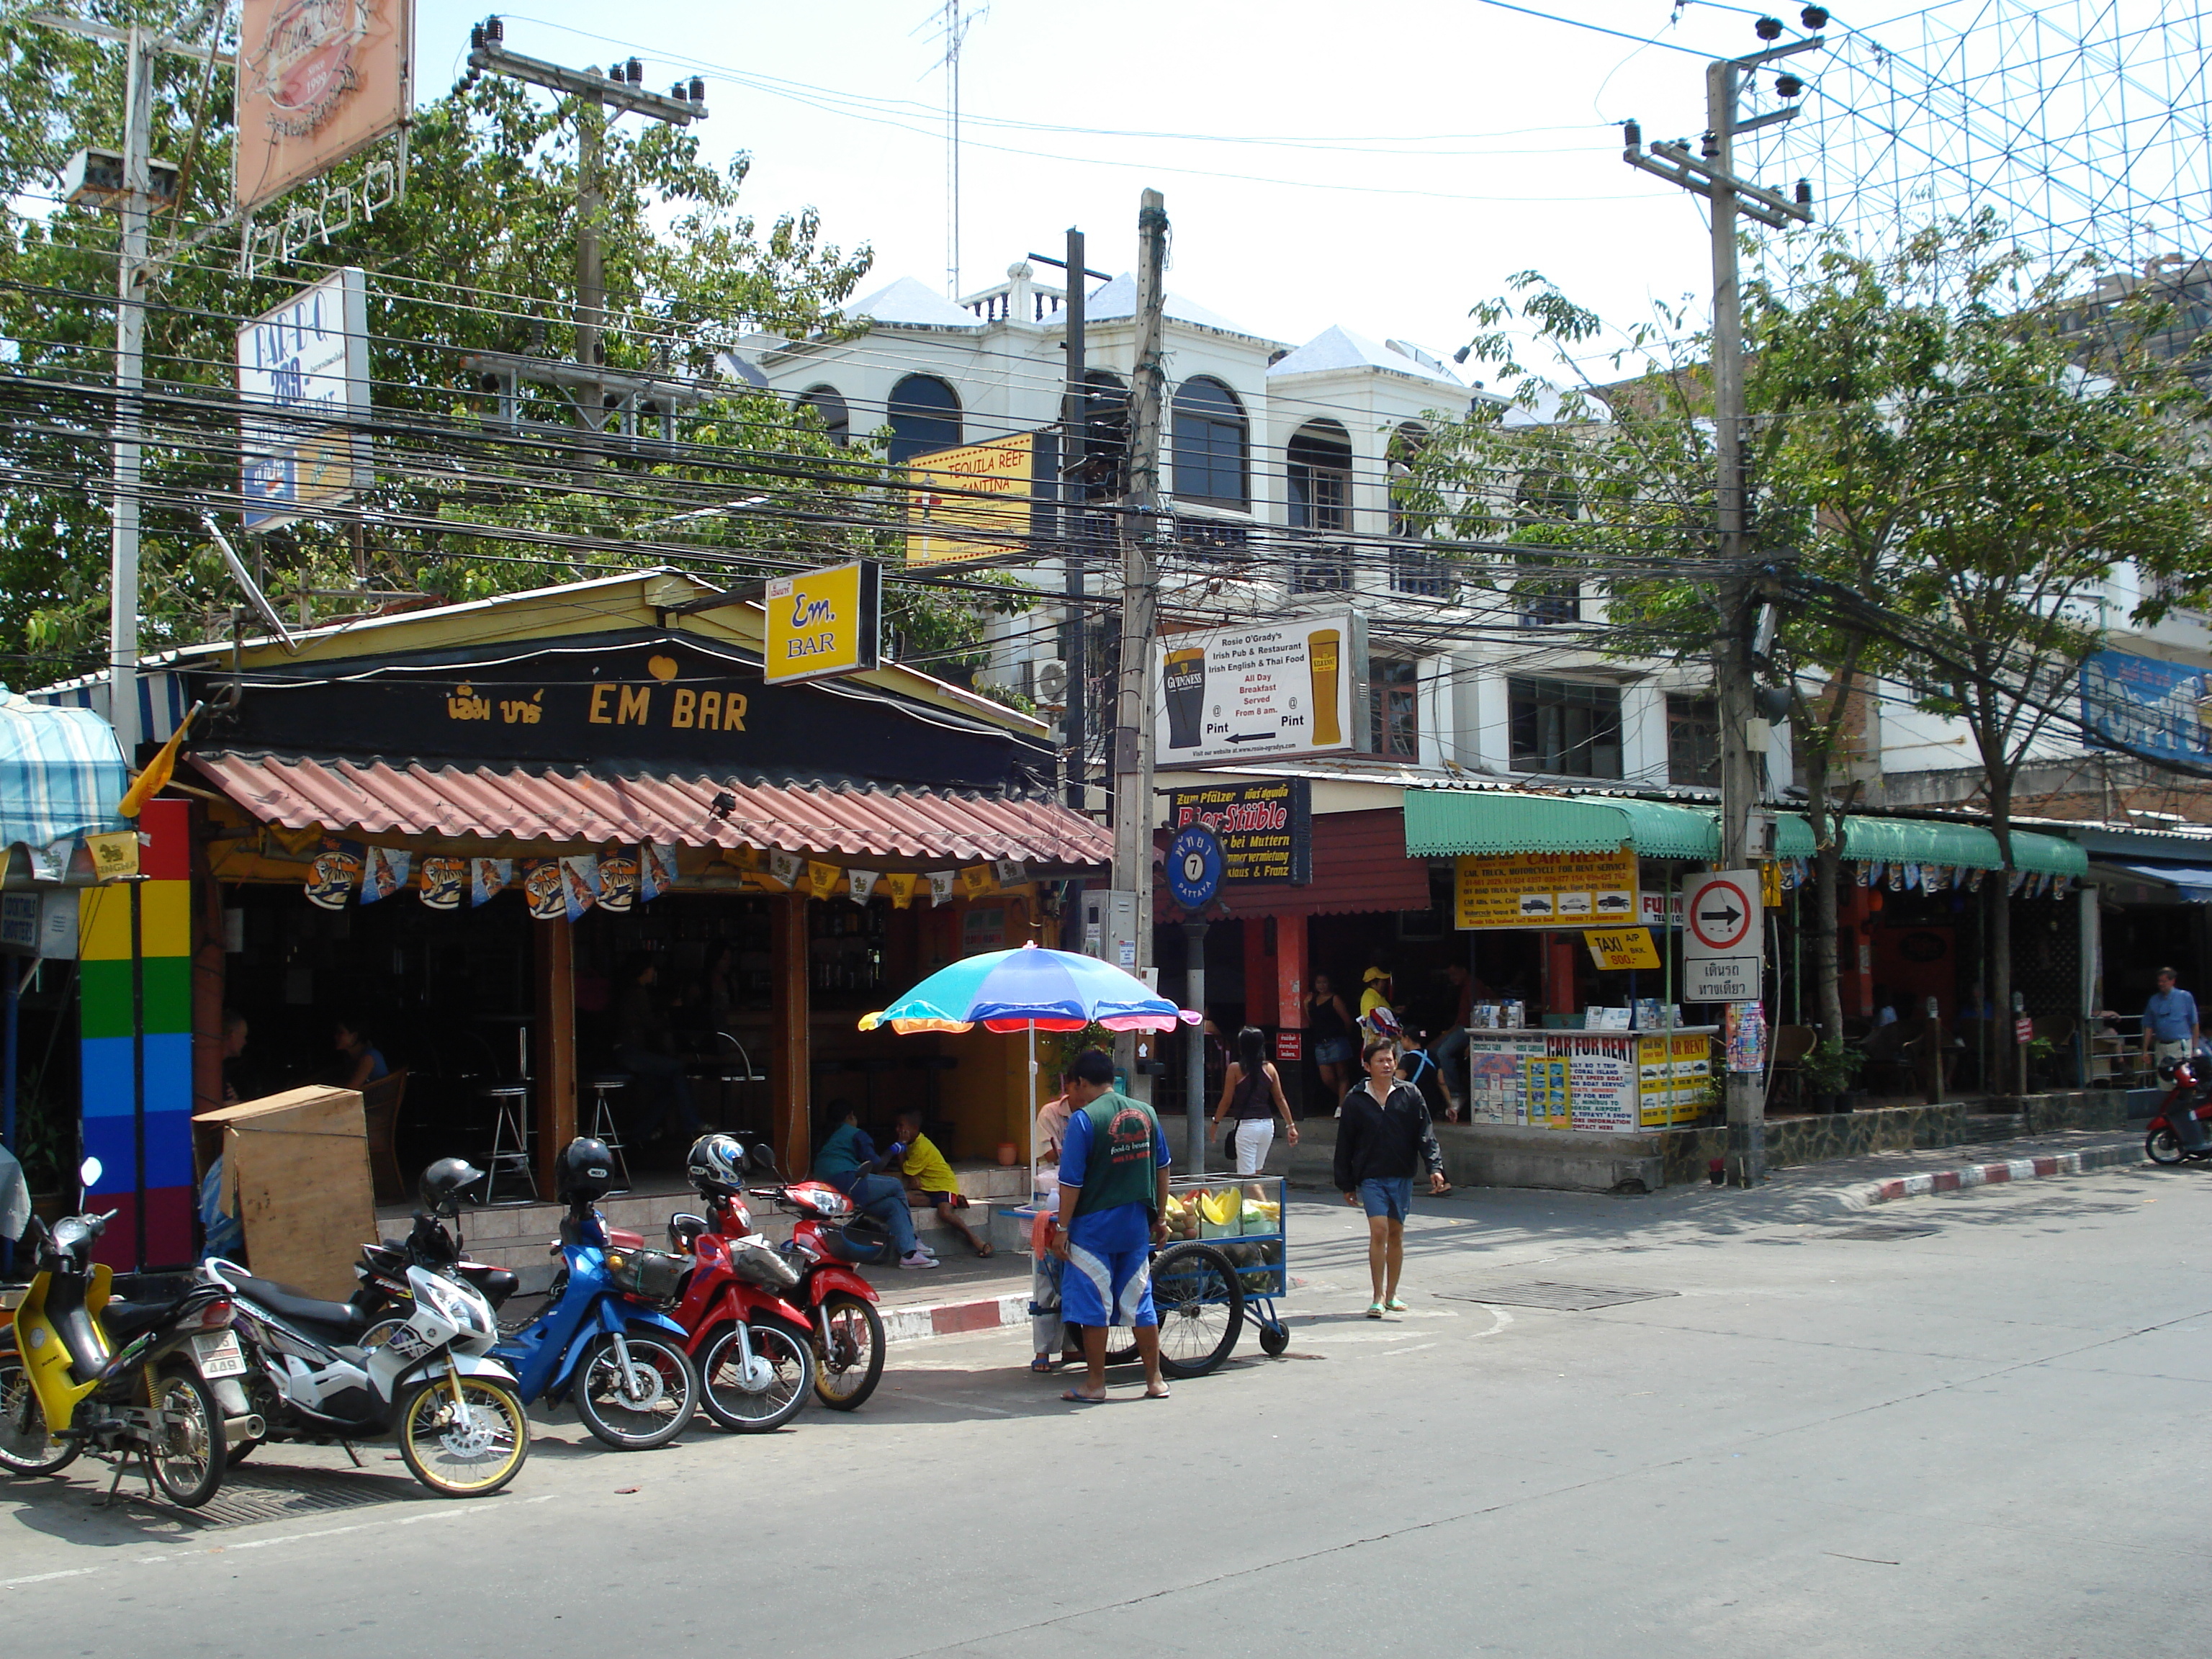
pixel 1335 1051
pixel 1107 1287
pixel 1390 1196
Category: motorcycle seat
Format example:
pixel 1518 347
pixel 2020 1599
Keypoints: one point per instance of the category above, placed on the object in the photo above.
pixel 289 1303
pixel 123 1320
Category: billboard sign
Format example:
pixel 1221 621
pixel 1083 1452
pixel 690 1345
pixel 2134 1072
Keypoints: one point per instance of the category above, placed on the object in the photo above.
pixel 317 81
pixel 1265 829
pixel 303 381
pixel 824 622
pixel 972 502
pixel 1544 889
pixel 1234 695
pixel 2148 707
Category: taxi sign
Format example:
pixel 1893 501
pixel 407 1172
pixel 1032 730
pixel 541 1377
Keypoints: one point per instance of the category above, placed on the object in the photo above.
pixel 1616 948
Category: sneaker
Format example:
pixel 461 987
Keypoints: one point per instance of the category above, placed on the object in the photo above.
pixel 917 1259
pixel 1395 1306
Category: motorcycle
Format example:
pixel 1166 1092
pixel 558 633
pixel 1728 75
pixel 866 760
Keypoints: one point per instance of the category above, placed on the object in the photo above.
pixel 830 1239
pixel 603 1337
pixel 2191 1077
pixel 320 1374
pixel 67 1388
pixel 383 1268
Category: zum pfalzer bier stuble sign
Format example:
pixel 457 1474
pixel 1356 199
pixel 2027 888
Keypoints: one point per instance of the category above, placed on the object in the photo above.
pixel 659 702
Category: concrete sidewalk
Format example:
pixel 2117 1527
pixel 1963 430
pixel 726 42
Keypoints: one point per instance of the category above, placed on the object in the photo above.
pixel 1858 1184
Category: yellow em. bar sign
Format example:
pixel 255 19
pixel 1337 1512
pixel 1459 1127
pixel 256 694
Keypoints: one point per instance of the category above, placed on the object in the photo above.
pixel 824 622
pixel 1622 947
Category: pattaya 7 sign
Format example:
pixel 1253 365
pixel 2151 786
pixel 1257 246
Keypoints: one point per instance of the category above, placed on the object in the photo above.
pixel 824 622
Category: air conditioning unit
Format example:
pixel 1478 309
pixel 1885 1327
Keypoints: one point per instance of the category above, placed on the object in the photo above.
pixel 1049 682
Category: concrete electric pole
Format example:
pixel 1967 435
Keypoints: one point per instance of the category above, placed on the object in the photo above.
pixel 1140 519
pixel 1712 174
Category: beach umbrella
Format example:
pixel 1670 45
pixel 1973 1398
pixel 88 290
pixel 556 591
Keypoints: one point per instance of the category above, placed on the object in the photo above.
pixel 1030 989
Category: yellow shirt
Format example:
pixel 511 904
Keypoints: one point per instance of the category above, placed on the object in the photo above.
pixel 925 1167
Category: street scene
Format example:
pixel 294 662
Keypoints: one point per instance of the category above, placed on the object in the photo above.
pixel 997 832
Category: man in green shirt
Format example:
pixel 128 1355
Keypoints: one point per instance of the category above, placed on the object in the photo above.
pixel 1113 1202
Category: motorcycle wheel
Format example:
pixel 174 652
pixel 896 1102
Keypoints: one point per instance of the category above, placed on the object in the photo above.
pixel 457 1459
pixel 27 1446
pixel 725 1399
pixel 850 1362
pixel 656 1406
pixel 2160 1147
pixel 185 1452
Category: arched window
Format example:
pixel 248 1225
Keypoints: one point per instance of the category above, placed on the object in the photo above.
pixel 829 407
pixel 1210 445
pixel 1320 476
pixel 925 415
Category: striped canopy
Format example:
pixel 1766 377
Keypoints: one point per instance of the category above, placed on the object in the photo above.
pixel 61 773
pixel 1030 989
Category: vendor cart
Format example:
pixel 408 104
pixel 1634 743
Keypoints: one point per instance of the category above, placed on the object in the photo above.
pixel 1224 1259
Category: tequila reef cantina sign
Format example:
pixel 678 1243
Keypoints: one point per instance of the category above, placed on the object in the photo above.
pixel 661 701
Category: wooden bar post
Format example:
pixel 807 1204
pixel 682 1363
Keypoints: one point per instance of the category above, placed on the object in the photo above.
pixel 791 1077
pixel 553 1046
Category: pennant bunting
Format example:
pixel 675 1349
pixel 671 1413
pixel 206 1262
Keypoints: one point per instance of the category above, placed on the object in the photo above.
pixel 580 883
pixel 489 877
pixel 864 885
pixel 618 881
pixel 541 890
pixel 824 877
pixel 443 882
pixel 385 873
pixel 941 883
pixel 901 887
pixel 656 870
pixel 330 878
pixel 785 868
pixel 977 880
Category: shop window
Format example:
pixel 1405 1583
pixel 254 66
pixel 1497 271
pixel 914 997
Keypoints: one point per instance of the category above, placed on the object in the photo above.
pixel 1211 443
pixel 1564 727
pixel 925 417
pixel 1693 741
pixel 1393 706
pixel 1320 476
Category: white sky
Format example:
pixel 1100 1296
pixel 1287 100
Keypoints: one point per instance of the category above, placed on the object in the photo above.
pixel 1440 147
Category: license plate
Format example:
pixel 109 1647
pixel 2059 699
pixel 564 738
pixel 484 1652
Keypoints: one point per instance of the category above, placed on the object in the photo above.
pixel 219 1354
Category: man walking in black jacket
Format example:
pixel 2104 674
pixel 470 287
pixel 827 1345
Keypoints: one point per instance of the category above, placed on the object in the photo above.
pixel 1384 1137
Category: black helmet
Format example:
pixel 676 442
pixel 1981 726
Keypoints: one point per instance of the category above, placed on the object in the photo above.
pixel 443 1183
pixel 717 1164
pixel 587 1168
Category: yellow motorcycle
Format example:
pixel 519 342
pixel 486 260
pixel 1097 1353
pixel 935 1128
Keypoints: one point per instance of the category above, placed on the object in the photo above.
pixel 80 1371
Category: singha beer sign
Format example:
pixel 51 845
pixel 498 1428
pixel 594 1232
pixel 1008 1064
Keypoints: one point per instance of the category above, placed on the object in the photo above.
pixel 317 81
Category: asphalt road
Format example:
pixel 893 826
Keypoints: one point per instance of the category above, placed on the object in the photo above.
pixel 1961 1440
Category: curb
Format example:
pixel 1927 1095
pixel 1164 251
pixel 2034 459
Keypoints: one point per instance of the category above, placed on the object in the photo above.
pixel 954 1318
pixel 1870 1193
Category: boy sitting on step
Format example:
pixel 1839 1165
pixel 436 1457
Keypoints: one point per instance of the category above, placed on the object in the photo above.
pixel 925 1169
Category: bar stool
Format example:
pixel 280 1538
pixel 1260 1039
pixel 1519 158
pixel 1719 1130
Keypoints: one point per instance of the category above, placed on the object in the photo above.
pixel 603 1083
pixel 510 1136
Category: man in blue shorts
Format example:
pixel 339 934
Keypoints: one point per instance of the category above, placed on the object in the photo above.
pixel 1113 1202
pixel 1383 1138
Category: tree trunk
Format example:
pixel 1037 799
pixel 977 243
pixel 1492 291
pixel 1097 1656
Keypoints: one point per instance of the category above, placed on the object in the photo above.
pixel 1827 847
pixel 2008 1071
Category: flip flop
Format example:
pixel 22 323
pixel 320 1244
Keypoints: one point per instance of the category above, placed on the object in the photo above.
pixel 1072 1397
pixel 985 1250
pixel 1162 1395
pixel 1041 1363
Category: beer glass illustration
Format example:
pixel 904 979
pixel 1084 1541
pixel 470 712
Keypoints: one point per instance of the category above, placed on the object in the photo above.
pixel 1321 648
pixel 1186 690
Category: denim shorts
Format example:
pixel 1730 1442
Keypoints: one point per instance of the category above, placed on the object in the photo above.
pixel 1335 1051
pixel 1388 1196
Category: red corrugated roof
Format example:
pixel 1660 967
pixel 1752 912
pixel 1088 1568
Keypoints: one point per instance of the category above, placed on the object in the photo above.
pixel 511 803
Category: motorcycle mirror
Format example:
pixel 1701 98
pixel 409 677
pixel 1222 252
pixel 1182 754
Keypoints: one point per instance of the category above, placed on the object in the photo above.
pixel 88 1172
pixel 761 1159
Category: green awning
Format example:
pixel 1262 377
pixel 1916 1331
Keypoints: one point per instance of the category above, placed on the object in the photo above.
pixel 1922 841
pixel 1447 823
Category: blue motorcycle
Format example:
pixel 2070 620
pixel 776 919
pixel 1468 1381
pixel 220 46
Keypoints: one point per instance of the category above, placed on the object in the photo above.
pixel 602 1338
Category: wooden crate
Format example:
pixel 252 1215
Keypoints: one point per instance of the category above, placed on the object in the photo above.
pixel 296 1175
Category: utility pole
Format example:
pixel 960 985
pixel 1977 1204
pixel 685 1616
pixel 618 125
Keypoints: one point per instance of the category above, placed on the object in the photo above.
pixel 1712 174
pixel 133 275
pixel 1132 712
pixel 601 397
pixel 1074 524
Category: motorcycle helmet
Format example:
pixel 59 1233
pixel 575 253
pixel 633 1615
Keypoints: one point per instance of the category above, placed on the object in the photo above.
pixel 716 1165
pixel 443 1183
pixel 586 1169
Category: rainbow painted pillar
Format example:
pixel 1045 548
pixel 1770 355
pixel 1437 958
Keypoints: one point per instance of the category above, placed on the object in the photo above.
pixel 111 1124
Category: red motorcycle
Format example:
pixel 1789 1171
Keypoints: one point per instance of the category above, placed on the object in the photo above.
pixel 830 1239
pixel 2190 1093
pixel 753 1347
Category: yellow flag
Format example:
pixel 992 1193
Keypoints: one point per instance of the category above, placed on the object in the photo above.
pixel 156 778
pixel 825 878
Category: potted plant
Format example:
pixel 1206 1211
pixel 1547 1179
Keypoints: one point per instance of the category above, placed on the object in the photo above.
pixel 1830 1070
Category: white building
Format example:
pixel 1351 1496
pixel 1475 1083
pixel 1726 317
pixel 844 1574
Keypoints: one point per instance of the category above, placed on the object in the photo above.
pixel 1278 460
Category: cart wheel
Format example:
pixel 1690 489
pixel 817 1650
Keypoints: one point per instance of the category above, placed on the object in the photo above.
pixel 1274 1338
pixel 1202 1308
